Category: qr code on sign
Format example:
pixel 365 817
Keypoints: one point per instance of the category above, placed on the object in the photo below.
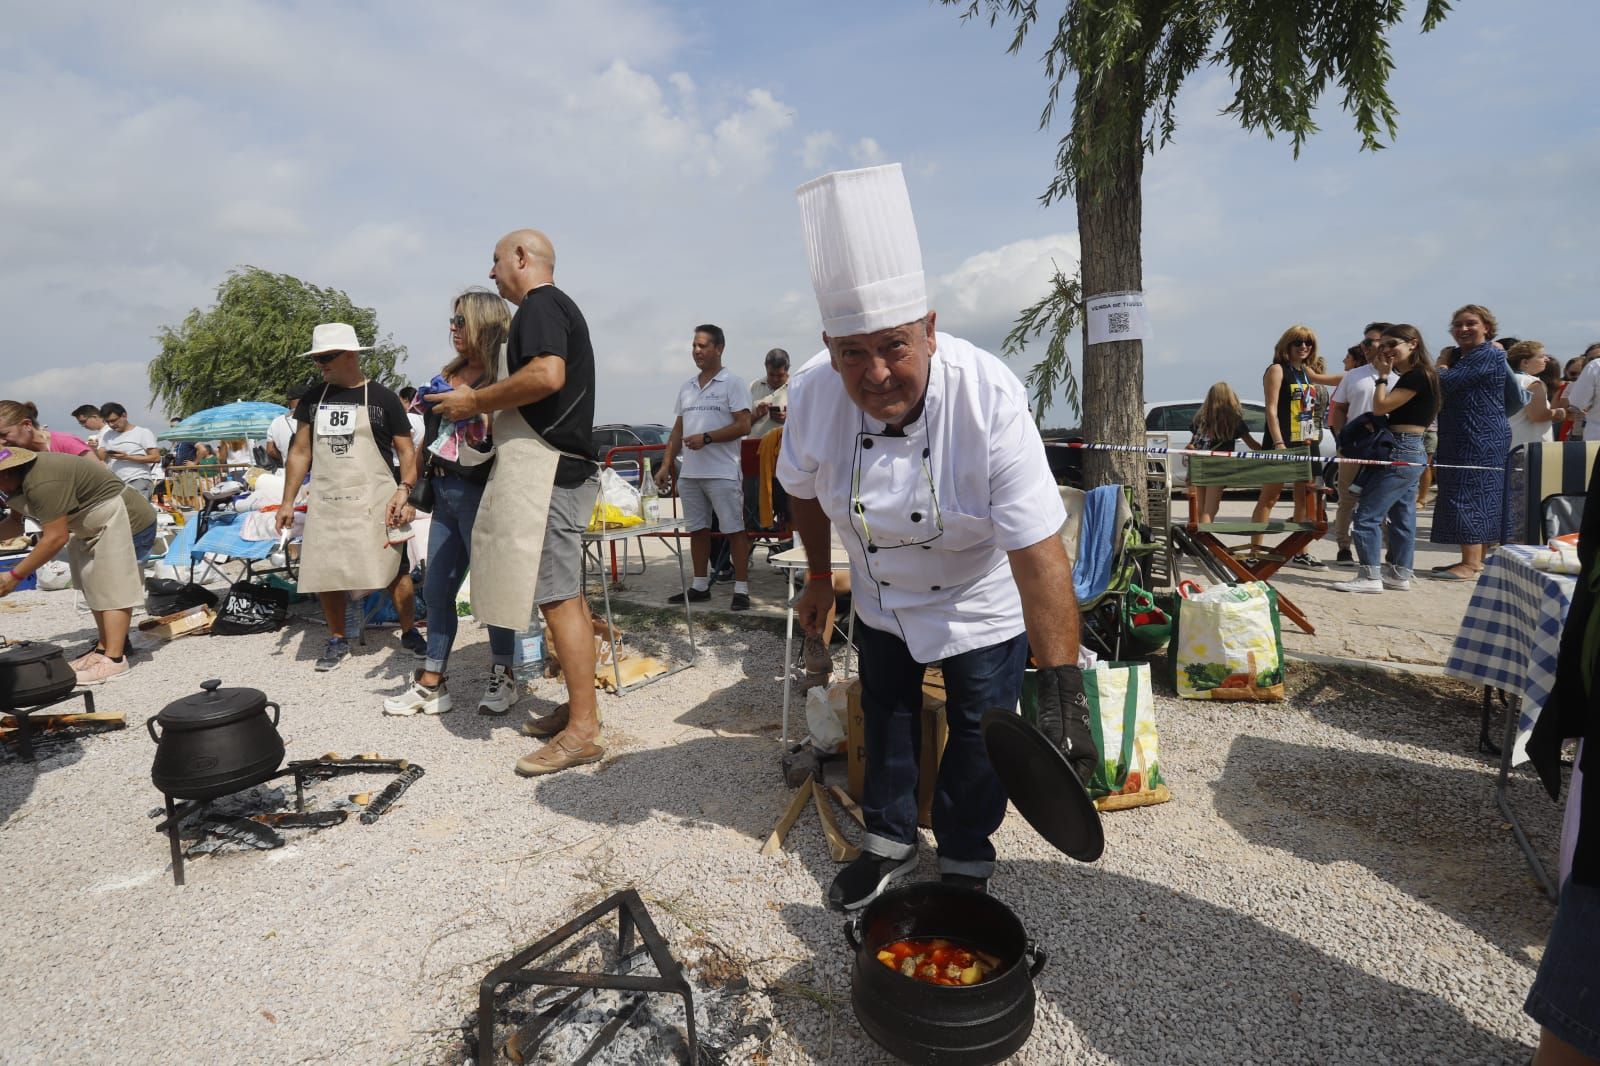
pixel 1117 322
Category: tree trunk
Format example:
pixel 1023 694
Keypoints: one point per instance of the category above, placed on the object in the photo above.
pixel 1110 227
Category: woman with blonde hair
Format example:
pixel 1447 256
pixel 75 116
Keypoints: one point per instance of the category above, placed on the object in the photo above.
pixel 1294 424
pixel 1474 438
pixel 1536 372
pixel 455 464
pixel 20 428
pixel 1217 427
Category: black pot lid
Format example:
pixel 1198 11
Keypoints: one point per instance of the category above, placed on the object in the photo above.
pixel 213 705
pixel 28 651
pixel 1042 786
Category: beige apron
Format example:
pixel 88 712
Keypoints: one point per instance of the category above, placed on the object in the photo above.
pixel 101 556
pixel 508 534
pixel 346 547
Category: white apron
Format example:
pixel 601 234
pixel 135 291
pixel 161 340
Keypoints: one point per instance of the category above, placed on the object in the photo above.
pixel 508 534
pixel 101 556
pixel 346 547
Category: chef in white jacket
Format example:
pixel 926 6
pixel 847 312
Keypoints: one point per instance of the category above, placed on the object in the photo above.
pixel 920 450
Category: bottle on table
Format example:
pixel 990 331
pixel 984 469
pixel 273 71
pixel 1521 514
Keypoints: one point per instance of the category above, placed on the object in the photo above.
pixel 649 498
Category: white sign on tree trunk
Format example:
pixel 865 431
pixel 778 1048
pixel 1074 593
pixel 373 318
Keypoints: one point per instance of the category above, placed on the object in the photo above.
pixel 1116 316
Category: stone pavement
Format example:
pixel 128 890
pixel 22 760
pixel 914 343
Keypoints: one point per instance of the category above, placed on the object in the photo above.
pixel 1409 631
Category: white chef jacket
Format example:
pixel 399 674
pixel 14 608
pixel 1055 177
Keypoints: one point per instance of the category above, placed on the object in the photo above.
pixel 973 463
pixel 706 411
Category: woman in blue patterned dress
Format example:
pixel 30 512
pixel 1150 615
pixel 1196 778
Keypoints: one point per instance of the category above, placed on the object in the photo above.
pixel 1473 431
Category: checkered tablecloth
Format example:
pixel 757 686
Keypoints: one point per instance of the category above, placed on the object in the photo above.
pixel 1511 633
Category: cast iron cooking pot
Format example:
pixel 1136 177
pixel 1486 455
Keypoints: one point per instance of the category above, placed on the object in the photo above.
pixel 924 1023
pixel 32 673
pixel 214 742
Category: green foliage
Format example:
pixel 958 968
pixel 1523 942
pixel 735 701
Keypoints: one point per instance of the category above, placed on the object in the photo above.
pixel 248 346
pixel 1127 60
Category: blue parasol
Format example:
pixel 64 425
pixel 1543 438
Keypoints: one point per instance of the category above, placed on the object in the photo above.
pixel 247 419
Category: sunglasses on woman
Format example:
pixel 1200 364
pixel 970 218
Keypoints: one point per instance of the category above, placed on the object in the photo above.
pixel 1390 344
pixel 458 322
pixel 1302 344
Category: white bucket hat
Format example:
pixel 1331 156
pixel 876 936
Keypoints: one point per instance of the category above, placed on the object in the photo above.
pixel 335 337
pixel 861 242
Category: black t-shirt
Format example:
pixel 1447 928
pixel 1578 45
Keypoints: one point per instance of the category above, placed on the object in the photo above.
pixel 1420 409
pixel 549 324
pixel 385 412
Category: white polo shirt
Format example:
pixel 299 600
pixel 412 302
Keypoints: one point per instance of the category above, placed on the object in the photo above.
pixel 706 411
pixel 135 441
pixel 940 506
pixel 1357 389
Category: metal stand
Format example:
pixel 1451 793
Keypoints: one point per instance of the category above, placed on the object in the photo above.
pixel 592 542
pixel 631 915
pixel 25 725
pixel 1503 801
pixel 792 562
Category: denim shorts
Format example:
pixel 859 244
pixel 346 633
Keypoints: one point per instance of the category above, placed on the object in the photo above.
pixel 1565 997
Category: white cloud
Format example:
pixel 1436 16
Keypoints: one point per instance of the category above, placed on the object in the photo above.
pixel 817 148
pixel 866 152
pixel 983 295
pixel 743 142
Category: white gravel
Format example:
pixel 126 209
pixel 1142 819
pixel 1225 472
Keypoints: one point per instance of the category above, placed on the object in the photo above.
pixel 1331 883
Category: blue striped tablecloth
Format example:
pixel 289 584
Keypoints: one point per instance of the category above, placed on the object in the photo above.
pixel 1511 633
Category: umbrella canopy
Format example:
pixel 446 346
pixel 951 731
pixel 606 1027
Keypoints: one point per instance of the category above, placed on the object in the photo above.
pixel 231 421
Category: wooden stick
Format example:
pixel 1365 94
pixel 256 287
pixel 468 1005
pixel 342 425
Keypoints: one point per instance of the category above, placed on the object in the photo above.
pixel 791 814
pixel 850 806
pixel 57 721
pixel 840 848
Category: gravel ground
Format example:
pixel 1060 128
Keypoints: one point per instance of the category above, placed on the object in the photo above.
pixel 1331 882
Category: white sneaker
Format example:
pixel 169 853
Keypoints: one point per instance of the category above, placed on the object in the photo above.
pixel 1393 581
pixel 1360 584
pixel 501 694
pixel 418 699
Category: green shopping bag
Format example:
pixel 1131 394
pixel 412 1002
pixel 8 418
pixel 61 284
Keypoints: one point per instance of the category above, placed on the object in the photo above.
pixel 1226 644
pixel 1122 719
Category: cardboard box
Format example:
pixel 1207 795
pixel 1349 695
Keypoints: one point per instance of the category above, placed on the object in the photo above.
pixel 195 620
pixel 934 735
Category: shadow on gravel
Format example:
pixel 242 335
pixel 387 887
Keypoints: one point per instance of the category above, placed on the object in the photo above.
pixel 1433 833
pixel 18 778
pixel 1146 974
pixel 1437 713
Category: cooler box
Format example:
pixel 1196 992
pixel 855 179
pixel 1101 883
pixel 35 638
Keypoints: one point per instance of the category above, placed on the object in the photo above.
pixel 29 582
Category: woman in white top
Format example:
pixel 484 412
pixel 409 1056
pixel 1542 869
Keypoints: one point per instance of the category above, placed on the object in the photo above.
pixel 1535 372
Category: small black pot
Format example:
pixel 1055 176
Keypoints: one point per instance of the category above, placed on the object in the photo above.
pixel 923 1023
pixel 214 742
pixel 31 674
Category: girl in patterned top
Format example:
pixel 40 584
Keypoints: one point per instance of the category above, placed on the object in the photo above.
pixel 1289 388
pixel 1217 428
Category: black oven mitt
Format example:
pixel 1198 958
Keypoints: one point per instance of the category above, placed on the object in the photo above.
pixel 1064 718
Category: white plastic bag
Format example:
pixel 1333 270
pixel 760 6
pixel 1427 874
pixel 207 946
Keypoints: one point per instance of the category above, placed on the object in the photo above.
pixel 825 716
pixel 617 502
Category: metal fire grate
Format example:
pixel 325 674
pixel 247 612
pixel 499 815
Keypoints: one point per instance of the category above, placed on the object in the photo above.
pixel 518 974
pixel 261 831
pixel 26 726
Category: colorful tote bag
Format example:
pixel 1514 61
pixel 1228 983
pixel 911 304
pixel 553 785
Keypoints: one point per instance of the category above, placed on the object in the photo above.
pixel 1227 646
pixel 1123 721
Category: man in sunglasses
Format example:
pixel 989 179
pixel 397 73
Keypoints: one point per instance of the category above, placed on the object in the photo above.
pixel 920 450
pixel 1351 399
pixel 349 432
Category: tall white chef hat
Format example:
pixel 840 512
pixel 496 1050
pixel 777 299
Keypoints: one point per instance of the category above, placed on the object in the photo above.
pixel 866 262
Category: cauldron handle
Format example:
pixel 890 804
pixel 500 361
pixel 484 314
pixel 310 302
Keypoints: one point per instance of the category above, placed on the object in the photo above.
pixel 852 933
pixel 150 724
pixel 1039 955
pixel 275 711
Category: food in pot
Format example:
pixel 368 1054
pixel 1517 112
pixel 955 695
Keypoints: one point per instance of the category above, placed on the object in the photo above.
pixel 938 961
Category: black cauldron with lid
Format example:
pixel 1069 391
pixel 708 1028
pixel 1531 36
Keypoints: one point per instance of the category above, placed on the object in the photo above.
pixel 215 741
pixel 988 1021
pixel 32 673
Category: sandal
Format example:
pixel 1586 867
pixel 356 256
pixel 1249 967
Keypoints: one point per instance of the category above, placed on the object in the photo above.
pixel 560 754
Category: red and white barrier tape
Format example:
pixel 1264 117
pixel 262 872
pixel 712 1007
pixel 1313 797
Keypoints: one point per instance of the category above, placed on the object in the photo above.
pixel 1280 457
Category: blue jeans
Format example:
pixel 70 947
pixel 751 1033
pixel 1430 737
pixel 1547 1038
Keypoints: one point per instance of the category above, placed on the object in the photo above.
pixel 969 803
pixel 144 542
pixel 1390 493
pixel 455 506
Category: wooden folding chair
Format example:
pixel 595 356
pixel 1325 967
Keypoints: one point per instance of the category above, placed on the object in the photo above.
pixel 1253 473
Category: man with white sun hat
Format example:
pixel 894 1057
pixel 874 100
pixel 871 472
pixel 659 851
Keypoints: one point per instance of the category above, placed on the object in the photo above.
pixel 920 451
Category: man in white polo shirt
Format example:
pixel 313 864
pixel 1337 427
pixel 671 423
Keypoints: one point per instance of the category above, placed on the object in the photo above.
pixel 713 416
pixel 1352 399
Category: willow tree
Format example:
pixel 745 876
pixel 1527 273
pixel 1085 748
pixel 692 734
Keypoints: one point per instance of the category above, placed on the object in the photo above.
pixel 1126 61
pixel 248 345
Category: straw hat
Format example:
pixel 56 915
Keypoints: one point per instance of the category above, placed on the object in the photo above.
pixel 335 337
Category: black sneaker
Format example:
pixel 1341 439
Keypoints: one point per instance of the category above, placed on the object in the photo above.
pixel 741 602
pixel 695 596
pixel 967 881
pixel 337 651
pixel 1308 561
pixel 861 882
pixel 415 643
pixel 1344 558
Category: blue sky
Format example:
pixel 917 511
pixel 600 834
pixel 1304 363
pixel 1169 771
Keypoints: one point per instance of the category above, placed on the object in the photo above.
pixel 381 148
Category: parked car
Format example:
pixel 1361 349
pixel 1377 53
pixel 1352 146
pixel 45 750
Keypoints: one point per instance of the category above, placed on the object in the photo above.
pixel 621 435
pixel 1172 420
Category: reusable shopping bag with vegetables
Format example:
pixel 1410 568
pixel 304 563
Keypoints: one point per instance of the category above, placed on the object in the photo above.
pixel 1227 646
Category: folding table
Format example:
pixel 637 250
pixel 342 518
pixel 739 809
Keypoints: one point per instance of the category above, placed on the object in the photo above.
pixel 595 545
